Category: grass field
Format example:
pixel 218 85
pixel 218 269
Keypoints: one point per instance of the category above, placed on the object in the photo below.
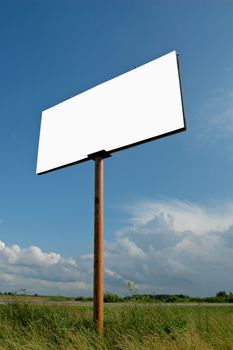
pixel 24 326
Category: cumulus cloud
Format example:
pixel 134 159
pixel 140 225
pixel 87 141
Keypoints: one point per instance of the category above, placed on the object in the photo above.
pixel 169 246
pixel 126 247
pixel 184 248
pixel 37 270
pixel 182 215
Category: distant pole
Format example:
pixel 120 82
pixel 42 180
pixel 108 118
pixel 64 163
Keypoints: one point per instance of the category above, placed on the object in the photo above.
pixel 99 245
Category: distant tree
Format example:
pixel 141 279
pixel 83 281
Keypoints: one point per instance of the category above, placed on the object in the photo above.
pixel 221 294
pixel 111 298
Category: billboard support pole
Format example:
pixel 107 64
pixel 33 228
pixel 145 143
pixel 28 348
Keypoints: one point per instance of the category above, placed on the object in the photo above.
pixel 98 312
pixel 99 245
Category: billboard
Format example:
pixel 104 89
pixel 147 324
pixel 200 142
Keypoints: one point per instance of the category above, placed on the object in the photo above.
pixel 138 106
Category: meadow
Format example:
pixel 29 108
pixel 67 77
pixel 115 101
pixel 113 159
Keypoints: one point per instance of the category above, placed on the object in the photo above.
pixel 127 327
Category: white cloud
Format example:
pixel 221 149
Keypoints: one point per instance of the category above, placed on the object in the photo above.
pixel 182 216
pixel 32 256
pixel 87 257
pixel 186 248
pixel 36 270
pixel 126 247
pixel 169 246
pixel 5 277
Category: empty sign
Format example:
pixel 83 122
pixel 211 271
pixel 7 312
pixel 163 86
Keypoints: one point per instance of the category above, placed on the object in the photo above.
pixel 135 107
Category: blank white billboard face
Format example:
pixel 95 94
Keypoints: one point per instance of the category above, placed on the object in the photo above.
pixel 135 107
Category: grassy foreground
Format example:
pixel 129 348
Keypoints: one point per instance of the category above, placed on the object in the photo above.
pixel 24 326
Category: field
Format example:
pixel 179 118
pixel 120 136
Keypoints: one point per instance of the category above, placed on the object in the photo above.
pixel 127 327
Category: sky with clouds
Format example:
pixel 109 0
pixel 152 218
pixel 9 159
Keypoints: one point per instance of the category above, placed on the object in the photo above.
pixel 168 203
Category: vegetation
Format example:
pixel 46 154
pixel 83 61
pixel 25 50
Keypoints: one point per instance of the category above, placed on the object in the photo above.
pixel 112 298
pixel 59 298
pixel 220 297
pixel 135 327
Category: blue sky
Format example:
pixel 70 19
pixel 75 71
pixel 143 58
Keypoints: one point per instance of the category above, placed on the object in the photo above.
pixel 168 203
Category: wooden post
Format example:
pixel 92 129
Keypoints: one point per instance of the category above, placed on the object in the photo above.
pixel 99 245
pixel 98 314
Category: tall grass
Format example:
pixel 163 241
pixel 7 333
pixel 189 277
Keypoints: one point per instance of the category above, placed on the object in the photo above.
pixel 24 326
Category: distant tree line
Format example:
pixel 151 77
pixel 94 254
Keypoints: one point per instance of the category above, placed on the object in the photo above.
pixel 220 297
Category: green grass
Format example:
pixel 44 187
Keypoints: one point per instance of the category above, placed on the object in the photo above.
pixel 24 326
pixel 59 298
